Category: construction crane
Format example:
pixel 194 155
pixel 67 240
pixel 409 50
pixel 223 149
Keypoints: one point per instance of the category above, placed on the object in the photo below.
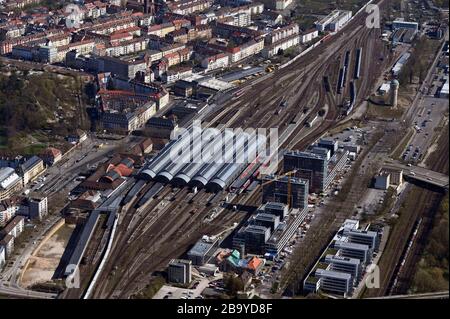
pixel 289 186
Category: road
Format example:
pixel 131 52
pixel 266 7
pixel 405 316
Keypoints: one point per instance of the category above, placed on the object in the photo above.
pixel 9 283
pixel 421 173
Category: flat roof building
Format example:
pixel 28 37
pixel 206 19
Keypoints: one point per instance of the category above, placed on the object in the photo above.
pixel 347 265
pixel 353 250
pixel 277 191
pixel 309 166
pixel 267 220
pixel 203 251
pixel 335 282
pixel 359 236
pixel 180 271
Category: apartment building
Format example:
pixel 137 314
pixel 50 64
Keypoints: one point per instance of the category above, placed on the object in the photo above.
pixel 14 227
pixel 31 169
pixel 10 182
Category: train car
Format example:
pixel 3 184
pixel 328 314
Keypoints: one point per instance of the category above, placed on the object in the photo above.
pixel 243 181
pixel 134 191
pixel 326 83
pixel 357 73
pixel 340 84
pixel 311 120
pixel 352 101
pixel 344 77
pixel 152 192
pixel 239 93
pixel 326 38
pixel 347 59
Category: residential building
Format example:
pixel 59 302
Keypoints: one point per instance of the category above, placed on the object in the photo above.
pixel 31 169
pixel 10 182
pixel 308 36
pixel 14 227
pixel 7 242
pixel 215 61
pixel 177 73
pixel 51 156
pixel 34 207
pixel 180 271
pixel 8 209
pixel 78 136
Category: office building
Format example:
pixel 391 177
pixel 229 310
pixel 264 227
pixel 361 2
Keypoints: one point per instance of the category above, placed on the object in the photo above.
pixel 309 166
pixel 277 191
pixel 267 220
pixel 203 250
pixel 335 282
pixel 279 209
pixel 347 265
pixel 358 236
pixel 180 271
pixel 330 144
pixel 353 250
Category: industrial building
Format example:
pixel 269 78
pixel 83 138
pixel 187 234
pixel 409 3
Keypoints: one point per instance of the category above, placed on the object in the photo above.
pixel 180 271
pixel 401 24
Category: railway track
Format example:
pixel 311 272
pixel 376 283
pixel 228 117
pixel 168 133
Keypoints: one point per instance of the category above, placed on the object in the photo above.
pixel 142 249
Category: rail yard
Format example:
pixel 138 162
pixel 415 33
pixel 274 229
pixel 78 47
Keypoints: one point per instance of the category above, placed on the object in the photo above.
pixel 178 193
pixel 149 236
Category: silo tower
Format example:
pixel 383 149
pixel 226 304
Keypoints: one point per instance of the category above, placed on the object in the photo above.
pixel 394 92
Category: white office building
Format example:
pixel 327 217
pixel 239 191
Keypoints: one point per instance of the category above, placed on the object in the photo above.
pixel 359 236
pixel 335 282
pixel 353 250
pixel 346 265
